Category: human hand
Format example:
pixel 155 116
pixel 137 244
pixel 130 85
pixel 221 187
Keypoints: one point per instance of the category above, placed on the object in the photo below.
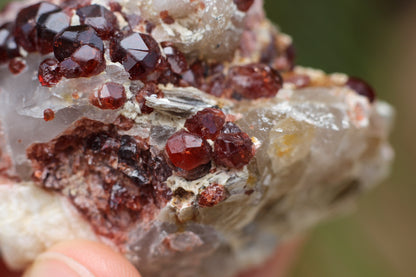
pixel 89 259
pixel 78 258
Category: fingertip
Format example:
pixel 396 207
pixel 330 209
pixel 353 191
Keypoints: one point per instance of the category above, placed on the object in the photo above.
pixel 81 258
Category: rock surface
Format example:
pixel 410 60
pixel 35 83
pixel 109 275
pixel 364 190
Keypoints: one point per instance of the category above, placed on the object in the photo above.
pixel 86 157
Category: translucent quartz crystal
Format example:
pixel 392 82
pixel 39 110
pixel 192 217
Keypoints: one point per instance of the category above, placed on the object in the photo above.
pixel 194 150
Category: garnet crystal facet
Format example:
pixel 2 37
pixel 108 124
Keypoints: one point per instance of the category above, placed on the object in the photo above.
pixel 8 46
pixel 140 55
pixel 48 25
pixel 72 38
pixel 362 88
pixel 175 58
pixel 102 20
pixel 25 28
pixel 48 115
pixel 231 128
pixel 206 123
pixel 149 89
pixel 49 73
pixel 188 151
pixel 254 81
pixel 16 66
pixel 86 61
pixel 233 149
pixel 110 97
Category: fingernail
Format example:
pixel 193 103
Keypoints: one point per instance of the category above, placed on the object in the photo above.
pixel 51 264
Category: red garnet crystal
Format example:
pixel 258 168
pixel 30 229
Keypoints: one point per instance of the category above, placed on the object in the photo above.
pixel 196 74
pixel 25 28
pixel 216 85
pixel 206 123
pixel 166 18
pixel 8 46
pixel 291 56
pixel 212 196
pixel 175 58
pixel 188 151
pixel 254 81
pixel 48 115
pixel 362 88
pixel 102 20
pixel 243 5
pixel 48 25
pixel 16 66
pixel 49 73
pixel 139 53
pixel 231 128
pixel 87 61
pixel 286 60
pixel 195 173
pixel 110 97
pixel 149 89
pixel 233 148
pixel 70 39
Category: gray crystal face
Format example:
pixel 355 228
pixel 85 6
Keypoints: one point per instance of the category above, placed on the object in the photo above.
pixel 104 175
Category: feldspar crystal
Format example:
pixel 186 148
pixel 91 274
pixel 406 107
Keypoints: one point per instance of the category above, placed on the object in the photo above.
pixel 179 132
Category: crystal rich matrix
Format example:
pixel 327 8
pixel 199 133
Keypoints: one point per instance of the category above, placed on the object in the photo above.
pixel 180 133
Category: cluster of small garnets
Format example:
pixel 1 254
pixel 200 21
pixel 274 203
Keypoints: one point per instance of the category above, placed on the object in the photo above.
pixel 79 52
pixel 191 154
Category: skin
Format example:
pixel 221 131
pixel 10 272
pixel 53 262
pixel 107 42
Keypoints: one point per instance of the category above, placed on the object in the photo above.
pixel 91 259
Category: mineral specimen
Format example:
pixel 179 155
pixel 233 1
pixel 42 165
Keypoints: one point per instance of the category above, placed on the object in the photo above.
pixel 180 133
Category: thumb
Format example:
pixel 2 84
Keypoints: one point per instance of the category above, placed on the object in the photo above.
pixel 81 258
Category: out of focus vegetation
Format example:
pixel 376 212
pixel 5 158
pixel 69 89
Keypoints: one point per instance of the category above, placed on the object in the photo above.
pixel 376 40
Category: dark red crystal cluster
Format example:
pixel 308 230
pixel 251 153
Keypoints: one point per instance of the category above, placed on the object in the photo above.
pixel 79 52
pixel 113 179
pixel 45 28
pixel 191 154
pixel 250 81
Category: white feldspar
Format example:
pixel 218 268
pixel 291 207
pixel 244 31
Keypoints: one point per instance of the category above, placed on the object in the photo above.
pixel 27 214
pixel 202 28
pixel 317 148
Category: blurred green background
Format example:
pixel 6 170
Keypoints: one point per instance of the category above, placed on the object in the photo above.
pixel 376 40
